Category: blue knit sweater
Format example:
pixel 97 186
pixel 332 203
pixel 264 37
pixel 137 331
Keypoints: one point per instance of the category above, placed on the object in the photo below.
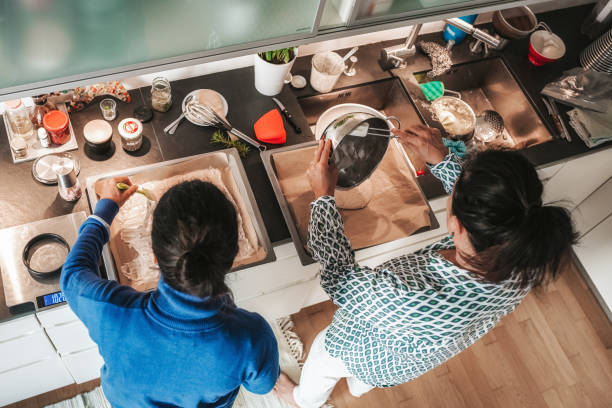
pixel 165 348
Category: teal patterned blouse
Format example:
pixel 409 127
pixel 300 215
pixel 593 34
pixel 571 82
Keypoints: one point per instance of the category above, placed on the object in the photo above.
pixel 410 314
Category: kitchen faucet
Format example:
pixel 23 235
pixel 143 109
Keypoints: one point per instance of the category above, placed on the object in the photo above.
pixel 397 54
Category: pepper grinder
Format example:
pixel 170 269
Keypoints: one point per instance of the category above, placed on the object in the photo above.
pixel 67 181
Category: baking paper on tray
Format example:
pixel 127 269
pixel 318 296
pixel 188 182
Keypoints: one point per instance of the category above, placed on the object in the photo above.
pixel 130 241
pixel 398 208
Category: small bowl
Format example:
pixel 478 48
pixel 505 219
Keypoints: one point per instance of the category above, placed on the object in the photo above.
pixel 449 111
pixel 98 134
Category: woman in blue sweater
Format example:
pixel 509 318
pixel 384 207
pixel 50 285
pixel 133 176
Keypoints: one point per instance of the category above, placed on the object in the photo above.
pixel 185 344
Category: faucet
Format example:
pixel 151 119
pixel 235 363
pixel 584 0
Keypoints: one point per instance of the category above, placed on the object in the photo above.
pixel 397 54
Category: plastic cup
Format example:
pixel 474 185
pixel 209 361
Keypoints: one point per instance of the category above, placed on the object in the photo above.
pixel 545 47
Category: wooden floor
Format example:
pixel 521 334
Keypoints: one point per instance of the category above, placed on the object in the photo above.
pixel 554 350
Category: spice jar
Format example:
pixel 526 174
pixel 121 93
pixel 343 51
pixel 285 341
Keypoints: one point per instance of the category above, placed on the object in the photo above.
pixel 43 137
pixel 130 130
pixel 57 124
pixel 40 109
pixel 161 95
pixel 67 181
pixel 19 120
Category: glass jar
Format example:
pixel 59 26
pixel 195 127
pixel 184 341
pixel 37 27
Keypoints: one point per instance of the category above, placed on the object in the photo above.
pixel 19 120
pixel 40 109
pixel 130 130
pixel 57 124
pixel 161 95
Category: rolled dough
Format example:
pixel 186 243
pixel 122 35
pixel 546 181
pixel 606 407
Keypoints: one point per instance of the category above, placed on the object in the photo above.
pixel 356 198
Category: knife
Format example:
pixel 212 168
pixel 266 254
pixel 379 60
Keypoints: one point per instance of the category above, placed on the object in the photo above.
pixel 287 115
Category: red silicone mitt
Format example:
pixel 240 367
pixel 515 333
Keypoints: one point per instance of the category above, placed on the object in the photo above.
pixel 270 129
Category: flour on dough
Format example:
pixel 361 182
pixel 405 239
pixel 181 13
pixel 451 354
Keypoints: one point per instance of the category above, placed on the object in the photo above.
pixel 355 198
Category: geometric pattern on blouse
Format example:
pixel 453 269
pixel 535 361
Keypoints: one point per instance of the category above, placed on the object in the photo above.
pixel 409 314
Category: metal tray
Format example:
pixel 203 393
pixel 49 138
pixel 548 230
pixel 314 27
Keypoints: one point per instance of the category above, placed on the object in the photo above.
pixel 35 149
pixel 237 171
pixel 268 162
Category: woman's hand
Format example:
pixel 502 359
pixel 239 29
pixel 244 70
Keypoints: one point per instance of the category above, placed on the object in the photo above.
pixel 322 176
pixel 424 141
pixel 108 189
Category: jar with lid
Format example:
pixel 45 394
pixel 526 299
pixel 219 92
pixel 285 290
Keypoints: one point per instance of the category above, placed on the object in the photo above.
pixel 19 120
pixel 57 124
pixel 40 109
pixel 67 181
pixel 161 95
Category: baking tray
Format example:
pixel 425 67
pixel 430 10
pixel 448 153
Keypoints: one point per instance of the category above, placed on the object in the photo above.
pixel 35 149
pixel 244 188
pixel 300 246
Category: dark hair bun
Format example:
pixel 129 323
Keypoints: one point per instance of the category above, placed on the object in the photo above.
pixel 195 238
pixel 498 199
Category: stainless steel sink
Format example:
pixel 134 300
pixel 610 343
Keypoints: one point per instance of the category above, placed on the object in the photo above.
pixel 488 84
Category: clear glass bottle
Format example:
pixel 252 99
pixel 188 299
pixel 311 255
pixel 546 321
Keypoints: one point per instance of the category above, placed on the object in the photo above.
pixel 19 120
pixel 40 109
pixel 161 94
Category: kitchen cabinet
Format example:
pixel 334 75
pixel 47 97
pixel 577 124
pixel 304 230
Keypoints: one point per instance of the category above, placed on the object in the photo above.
pixel 577 178
pixel 29 364
pixel 71 340
pixel 593 218
pixel 34 379
pixel 98 41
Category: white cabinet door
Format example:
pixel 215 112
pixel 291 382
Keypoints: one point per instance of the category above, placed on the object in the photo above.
pixel 594 209
pixel 578 178
pixel 595 254
pixel 18 327
pixel 70 337
pixel 85 365
pixel 25 350
pixel 33 379
pixel 57 315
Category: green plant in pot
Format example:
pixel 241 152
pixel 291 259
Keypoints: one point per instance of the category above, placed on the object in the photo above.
pixel 271 69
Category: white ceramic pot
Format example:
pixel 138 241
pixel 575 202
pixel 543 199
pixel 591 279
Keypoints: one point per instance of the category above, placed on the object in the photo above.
pixel 270 78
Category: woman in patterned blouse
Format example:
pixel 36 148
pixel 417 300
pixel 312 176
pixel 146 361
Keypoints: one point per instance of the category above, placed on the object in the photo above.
pixel 414 312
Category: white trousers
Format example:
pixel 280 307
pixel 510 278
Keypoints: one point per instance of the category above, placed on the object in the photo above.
pixel 320 374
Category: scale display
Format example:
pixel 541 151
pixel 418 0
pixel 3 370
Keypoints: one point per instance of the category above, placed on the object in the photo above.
pixel 50 299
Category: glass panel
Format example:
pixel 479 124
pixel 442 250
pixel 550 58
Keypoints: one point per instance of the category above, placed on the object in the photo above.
pixel 43 40
pixel 336 13
pixel 370 9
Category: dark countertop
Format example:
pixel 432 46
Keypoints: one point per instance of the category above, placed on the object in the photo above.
pixel 24 200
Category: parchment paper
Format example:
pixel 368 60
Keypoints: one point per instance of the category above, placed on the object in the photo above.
pixel 398 208
pixel 187 170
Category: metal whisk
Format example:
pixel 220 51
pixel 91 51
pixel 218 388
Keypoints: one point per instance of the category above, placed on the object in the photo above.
pixel 207 115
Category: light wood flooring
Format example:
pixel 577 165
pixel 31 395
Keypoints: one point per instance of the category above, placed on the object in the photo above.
pixel 554 350
pixel 54 396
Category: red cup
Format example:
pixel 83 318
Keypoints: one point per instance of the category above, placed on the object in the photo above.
pixel 545 47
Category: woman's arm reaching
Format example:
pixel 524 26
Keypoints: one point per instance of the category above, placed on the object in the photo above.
pixel 427 143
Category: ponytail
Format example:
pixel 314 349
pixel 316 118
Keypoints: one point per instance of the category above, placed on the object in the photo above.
pixel 498 201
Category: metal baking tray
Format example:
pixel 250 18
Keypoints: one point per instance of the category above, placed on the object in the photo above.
pixel 268 161
pixel 237 171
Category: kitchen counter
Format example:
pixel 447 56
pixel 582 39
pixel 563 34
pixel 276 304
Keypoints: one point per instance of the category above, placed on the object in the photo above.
pixel 25 200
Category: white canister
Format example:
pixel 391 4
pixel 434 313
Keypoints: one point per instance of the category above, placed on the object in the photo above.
pixel 130 130
pixel 326 69
pixel 270 78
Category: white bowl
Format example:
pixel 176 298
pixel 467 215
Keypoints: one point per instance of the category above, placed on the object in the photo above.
pixel 336 111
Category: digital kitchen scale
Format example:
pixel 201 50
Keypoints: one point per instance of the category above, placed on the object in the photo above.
pixel 21 290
